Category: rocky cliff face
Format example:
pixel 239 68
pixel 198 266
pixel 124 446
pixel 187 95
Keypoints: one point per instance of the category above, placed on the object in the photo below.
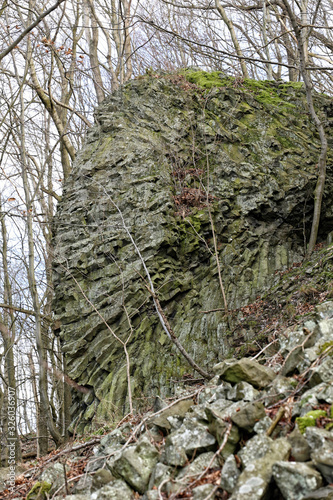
pixel 169 159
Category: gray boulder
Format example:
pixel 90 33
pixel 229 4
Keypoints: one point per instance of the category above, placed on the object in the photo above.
pixel 300 449
pixel 295 480
pixel 249 415
pixel 321 494
pixel 179 409
pixel 136 463
pixel 117 490
pixel 245 370
pixel 229 474
pixel 318 438
pixel 198 465
pixel 54 475
pixel 254 481
pixel 189 438
pixel 255 448
pixel 323 460
pixel 203 491
pixel 242 391
pixel 160 473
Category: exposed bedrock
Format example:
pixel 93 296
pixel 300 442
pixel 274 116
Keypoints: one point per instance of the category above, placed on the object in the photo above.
pixel 161 147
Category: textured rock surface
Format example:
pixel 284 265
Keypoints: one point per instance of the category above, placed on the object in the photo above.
pixel 245 370
pixel 296 479
pixel 148 154
pixel 136 464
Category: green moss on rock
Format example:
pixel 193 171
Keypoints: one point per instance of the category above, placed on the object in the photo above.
pixel 309 420
pixel 39 491
pixel 159 147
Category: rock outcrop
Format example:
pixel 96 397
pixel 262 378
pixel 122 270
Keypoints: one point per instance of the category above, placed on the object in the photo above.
pixel 173 165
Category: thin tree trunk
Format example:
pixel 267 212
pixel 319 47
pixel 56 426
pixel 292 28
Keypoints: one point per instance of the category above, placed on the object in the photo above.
pixel 306 75
pixel 45 407
pixel 232 32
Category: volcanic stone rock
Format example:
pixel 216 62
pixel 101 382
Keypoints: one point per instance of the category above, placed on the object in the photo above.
pixel 117 490
pixel 189 438
pixel 229 474
pixel 249 415
pixel 323 460
pixel 136 464
pixel 179 409
pixel 255 448
pixel 245 370
pixel 296 479
pixel 255 479
pixel 242 391
pixel 136 177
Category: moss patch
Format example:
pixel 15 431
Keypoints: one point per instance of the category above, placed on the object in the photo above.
pixel 39 491
pixel 309 420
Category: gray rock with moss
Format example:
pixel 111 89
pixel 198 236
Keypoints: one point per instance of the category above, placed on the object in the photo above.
pixel 117 490
pixel 245 370
pixel 295 480
pixel 255 480
pixel 155 144
pixel 136 463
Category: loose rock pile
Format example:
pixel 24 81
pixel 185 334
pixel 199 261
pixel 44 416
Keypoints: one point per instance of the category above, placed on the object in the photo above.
pixel 253 432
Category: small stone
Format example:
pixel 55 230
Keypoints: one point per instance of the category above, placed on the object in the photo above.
pixel 160 473
pixel 211 394
pixel 54 475
pixel 101 478
pixel 255 448
pixel 318 438
pixel 83 485
pixel 198 465
pixel 179 409
pixel 325 310
pixel 189 438
pixel 159 404
pixel 263 425
pixel 280 388
pixel 151 495
pixel 249 415
pixel 295 480
pixel 323 372
pixel 242 391
pixel 300 449
pixel 203 491
pixel 218 428
pixel 321 494
pixel 136 463
pixel 254 481
pixel 117 490
pixel 323 460
pixel 230 474
pixel 245 370
pixel 292 360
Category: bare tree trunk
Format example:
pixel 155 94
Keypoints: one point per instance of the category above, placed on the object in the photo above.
pixel 42 361
pixel 306 75
pixel 231 29
pixel 7 329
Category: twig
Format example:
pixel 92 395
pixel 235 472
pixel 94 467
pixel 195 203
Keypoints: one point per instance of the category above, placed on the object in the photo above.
pixel 277 419
pixel 71 449
pixel 309 334
pixel 264 349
